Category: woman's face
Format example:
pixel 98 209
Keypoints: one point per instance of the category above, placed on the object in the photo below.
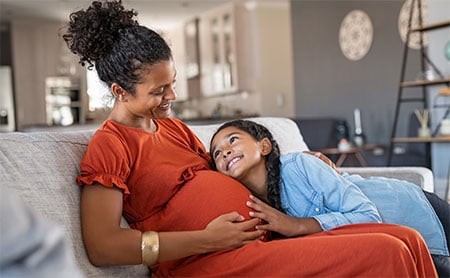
pixel 236 153
pixel 154 95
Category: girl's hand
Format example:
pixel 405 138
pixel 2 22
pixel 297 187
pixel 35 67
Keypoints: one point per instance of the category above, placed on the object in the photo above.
pixel 230 231
pixel 281 223
pixel 325 159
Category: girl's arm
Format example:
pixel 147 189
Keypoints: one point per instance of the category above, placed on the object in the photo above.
pixel 342 201
pixel 336 201
pixel 109 244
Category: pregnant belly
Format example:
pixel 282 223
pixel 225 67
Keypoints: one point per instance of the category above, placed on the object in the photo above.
pixel 203 198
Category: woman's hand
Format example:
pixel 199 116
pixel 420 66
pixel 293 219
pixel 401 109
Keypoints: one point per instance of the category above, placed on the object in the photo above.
pixel 281 223
pixel 230 231
pixel 325 159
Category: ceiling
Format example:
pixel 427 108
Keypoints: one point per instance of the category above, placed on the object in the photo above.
pixel 164 14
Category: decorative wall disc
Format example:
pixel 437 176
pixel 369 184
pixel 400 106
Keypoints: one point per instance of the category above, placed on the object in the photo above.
pixel 355 35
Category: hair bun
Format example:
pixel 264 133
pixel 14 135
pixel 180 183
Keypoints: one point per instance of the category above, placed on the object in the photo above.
pixel 91 33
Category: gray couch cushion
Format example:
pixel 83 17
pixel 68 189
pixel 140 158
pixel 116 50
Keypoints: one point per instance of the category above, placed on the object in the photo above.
pixel 42 168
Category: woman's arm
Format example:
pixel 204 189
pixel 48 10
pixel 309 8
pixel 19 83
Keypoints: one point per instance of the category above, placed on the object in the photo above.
pixel 108 244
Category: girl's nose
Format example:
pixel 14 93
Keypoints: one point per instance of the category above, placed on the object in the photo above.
pixel 227 153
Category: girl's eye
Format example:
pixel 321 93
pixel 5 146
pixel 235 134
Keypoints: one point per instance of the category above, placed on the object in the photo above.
pixel 216 154
pixel 233 138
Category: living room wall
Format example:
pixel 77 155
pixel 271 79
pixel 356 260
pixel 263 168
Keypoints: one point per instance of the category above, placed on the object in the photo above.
pixel 328 84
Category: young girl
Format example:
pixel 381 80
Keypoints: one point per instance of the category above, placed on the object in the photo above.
pixel 309 196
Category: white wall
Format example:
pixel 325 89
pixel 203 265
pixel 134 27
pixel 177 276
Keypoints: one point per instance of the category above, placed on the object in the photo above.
pixel 274 80
pixel 440 152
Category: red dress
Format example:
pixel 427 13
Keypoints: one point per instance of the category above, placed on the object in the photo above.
pixel 168 186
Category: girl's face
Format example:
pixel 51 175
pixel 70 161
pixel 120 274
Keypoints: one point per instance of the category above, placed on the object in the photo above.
pixel 237 154
pixel 154 95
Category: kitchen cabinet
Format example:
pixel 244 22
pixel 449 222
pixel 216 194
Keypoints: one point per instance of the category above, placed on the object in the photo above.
pixel 219 51
pixel 246 62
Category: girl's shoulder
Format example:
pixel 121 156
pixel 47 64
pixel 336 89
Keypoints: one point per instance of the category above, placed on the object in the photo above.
pixel 294 156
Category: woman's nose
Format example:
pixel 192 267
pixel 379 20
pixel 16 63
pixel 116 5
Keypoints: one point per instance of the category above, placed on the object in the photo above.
pixel 170 93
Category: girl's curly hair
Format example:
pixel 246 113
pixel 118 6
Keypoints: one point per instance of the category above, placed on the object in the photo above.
pixel 108 36
pixel 259 132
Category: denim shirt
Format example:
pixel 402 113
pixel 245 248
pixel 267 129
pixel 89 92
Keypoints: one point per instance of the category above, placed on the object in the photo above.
pixel 311 188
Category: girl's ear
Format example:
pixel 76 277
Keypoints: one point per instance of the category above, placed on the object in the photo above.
pixel 118 92
pixel 266 146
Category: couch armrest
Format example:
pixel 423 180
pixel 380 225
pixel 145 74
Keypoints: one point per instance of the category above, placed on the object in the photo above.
pixel 421 176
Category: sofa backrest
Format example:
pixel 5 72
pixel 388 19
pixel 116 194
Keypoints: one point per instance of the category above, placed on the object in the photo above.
pixel 42 166
pixel 284 131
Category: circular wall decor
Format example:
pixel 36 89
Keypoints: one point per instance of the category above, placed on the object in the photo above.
pixel 355 35
pixel 403 18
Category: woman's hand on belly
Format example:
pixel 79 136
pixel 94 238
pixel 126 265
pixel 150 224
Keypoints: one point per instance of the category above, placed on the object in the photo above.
pixel 231 230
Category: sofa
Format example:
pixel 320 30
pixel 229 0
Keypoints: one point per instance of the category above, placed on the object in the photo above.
pixel 41 167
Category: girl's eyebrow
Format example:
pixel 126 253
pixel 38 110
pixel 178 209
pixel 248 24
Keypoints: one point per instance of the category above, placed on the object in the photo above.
pixel 226 137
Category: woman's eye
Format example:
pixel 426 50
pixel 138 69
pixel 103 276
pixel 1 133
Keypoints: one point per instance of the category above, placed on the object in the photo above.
pixel 158 92
pixel 233 138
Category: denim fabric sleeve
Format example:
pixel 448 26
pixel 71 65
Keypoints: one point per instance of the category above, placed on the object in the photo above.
pixel 343 202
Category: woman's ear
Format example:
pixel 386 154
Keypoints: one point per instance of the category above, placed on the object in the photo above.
pixel 118 92
pixel 266 146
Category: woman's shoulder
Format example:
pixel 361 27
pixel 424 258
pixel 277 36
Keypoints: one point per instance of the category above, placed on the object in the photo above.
pixel 110 130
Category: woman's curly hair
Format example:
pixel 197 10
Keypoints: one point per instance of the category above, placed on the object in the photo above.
pixel 259 132
pixel 108 36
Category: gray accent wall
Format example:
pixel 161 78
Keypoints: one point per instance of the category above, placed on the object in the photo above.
pixel 328 84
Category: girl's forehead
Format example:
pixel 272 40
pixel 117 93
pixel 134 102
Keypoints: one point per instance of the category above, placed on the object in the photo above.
pixel 227 132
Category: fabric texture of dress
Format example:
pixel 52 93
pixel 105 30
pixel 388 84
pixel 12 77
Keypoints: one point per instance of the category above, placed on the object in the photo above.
pixel 168 186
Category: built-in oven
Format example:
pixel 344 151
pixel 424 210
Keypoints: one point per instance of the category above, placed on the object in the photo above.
pixel 7 116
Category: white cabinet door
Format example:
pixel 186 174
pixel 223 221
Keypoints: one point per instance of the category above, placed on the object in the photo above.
pixel 218 48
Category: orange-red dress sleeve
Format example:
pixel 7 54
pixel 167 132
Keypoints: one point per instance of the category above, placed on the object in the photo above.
pixel 106 161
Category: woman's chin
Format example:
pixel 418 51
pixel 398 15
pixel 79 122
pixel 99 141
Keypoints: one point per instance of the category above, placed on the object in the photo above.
pixel 163 113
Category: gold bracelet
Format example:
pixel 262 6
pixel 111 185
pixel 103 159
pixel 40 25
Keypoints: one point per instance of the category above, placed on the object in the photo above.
pixel 150 248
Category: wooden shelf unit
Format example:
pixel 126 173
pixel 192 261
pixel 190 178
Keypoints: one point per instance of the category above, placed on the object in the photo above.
pixel 437 139
pixel 403 84
pixel 430 27
pixel 418 83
